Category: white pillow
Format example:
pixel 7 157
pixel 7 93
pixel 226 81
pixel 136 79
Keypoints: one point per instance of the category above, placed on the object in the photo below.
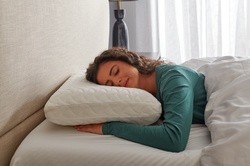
pixel 79 101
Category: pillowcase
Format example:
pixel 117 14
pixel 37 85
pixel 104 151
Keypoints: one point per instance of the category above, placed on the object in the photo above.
pixel 79 101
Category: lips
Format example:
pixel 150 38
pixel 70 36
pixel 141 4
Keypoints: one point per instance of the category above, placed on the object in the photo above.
pixel 126 83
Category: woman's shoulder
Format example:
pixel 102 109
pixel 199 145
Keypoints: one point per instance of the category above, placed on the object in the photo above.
pixel 171 68
pixel 169 77
pixel 168 71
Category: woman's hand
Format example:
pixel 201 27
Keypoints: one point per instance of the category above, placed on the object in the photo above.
pixel 91 128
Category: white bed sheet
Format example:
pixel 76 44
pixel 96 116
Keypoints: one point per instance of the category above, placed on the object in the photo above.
pixel 50 144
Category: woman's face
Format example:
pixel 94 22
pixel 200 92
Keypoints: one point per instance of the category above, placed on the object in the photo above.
pixel 118 73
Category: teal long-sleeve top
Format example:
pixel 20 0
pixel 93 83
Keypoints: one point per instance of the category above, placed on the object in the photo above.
pixel 182 95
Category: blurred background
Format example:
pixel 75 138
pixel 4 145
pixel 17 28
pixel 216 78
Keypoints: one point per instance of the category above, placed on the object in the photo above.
pixel 178 30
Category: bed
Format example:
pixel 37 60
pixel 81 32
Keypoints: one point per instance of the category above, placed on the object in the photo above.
pixel 43 43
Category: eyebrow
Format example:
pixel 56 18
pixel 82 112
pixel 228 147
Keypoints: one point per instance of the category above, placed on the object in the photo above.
pixel 110 72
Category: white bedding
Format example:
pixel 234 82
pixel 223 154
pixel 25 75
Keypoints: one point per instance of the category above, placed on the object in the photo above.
pixel 227 113
pixel 54 145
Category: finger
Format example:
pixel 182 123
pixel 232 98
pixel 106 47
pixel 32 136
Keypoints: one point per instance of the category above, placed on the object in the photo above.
pixel 79 127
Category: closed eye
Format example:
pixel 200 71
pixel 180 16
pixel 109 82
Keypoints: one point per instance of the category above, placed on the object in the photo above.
pixel 114 70
pixel 117 71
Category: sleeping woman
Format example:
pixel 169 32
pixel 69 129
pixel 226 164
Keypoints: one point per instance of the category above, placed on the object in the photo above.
pixel 179 89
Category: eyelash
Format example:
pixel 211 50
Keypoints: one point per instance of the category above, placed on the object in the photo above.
pixel 117 71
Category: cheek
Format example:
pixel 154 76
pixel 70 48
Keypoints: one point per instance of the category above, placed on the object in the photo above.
pixel 135 79
pixel 100 78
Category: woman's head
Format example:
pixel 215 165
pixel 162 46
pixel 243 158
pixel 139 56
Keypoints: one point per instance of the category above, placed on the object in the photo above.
pixel 142 64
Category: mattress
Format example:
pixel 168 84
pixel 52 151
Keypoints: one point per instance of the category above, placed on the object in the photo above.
pixel 51 144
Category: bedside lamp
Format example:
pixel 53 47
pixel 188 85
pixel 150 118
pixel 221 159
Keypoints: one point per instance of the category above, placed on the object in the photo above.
pixel 120 30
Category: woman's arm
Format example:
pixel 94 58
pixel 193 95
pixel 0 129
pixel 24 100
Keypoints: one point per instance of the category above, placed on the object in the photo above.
pixel 91 128
pixel 177 103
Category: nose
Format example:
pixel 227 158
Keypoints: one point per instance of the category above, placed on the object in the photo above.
pixel 118 81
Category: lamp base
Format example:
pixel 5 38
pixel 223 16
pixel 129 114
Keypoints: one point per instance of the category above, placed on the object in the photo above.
pixel 120 30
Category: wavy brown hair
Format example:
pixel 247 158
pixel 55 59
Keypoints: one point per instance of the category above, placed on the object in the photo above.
pixel 144 65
